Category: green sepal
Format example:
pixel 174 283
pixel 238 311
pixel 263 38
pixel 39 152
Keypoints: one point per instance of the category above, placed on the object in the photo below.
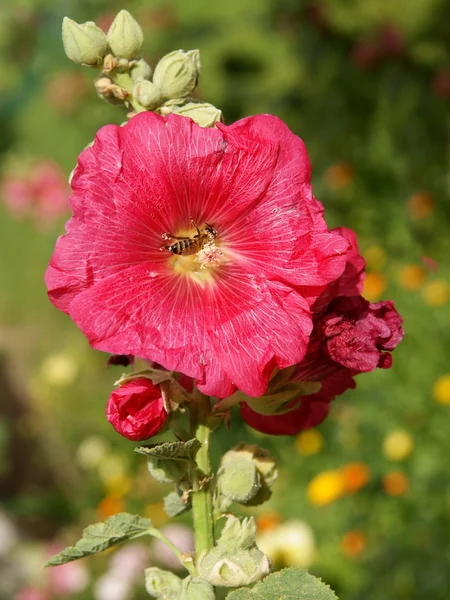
pixel 100 536
pixel 163 585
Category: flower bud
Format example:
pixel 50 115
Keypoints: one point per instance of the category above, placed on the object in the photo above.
pixel 193 588
pixel 203 113
pixel 140 70
pixel 166 471
pixel 239 480
pixel 236 560
pixel 136 409
pixel 84 44
pixel 162 584
pixel 125 36
pixel 147 94
pixel 177 73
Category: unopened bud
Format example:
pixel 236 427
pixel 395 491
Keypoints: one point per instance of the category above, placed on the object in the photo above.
pixel 162 584
pixel 140 70
pixel 166 471
pixel 193 588
pixel 125 36
pixel 147 94
pixel 236 560
pixel 84 44
pixel 203 113
pixel 239 480
pixel 177 73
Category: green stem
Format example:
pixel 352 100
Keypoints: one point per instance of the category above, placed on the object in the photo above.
pixel 186 561
pixel 125 82
pixel 201 496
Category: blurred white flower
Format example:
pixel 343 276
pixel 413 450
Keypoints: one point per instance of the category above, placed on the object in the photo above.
pixel 8 534
pixel 113 586
pixel 91 451
pixel 59 370
pixel 291 544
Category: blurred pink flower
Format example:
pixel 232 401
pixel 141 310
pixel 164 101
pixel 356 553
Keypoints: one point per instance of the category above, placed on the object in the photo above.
pixel 39 191
pixel 67 579
pixel 181 536
pixel 30 593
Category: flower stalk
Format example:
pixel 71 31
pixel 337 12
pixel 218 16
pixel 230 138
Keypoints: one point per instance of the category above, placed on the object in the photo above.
pixel 202 508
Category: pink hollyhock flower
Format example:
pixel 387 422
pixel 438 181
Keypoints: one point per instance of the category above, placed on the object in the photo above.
pixel 40 191
pixel 136 409
pixel 229 315
pixel 350 336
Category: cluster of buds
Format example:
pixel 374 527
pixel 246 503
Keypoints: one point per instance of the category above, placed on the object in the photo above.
pixel 127 79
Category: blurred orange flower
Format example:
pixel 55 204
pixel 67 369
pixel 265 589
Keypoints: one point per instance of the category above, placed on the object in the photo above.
pixel 412 277
pixel 353 543
pixel 441 390
pixel 109 506
pixel 420 205
pixel 268 520
pixel 339 176
pixel 325 488
pixel 374 286
pixel 354 476
pixel 395 483
pixel 436 293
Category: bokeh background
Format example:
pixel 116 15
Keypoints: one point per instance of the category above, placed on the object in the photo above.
pixel 364 500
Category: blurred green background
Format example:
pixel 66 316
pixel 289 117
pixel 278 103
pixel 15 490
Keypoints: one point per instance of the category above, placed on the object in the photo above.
pixel 366 84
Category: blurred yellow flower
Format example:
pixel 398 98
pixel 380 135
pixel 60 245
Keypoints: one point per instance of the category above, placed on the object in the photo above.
pixel 59 370
pixel 291 544
pixel 398 445
pixel 117 485
pixel 395 483
pixel 420 205
pixel 441 390
pixel 91 451
pixel 354 476
pixel 375 257
pixel 110 506
pixel 267 520
pixel 112 465
pixel 436 293
pixel 309 442
pixel 325 488
pixel 339 176
pixel 353 543
pixel 374 286
pixel 412 277
pixel 155 511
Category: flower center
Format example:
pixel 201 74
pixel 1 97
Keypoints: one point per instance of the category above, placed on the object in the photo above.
pixel 194 252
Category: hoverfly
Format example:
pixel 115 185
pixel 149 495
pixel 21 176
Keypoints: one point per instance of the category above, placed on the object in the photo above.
pixel 186 246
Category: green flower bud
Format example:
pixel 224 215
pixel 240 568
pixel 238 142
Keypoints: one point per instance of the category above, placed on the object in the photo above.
pixel 166 471
pixel 236 560
pixel 193 588
pixel 177 73
pixel 203 113
pixel 147 94
pixel 162 584
pixel 125 36
pixel 239 479
pixel 84 44
pixel 140 70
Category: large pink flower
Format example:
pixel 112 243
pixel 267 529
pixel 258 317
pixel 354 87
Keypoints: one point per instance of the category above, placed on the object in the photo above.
pixel 228 322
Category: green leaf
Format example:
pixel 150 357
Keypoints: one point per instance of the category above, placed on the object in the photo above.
pixel 171 450
pixel 174 505
pixel 288 584
pixel 100 536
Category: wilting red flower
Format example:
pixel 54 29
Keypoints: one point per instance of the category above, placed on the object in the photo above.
pixel 136 409
pixel 228 315
pixel 350 336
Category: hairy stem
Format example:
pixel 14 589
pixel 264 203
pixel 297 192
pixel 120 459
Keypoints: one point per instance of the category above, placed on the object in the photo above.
pixel 125 81
pixel 201 496
pixel 186 561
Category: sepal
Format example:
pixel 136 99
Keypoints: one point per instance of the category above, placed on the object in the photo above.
pixel 84 43
pixel 194 588
pixel 177 73
pixel 163 585
pixel 125 36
